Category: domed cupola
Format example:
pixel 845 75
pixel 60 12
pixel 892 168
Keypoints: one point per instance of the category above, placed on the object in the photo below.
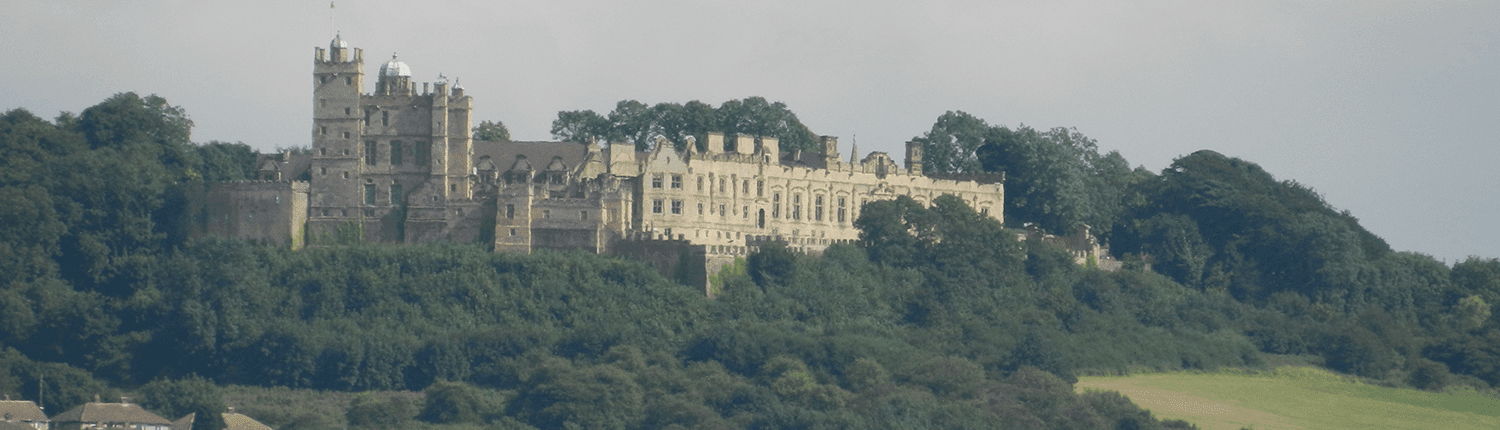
pixel 338 49
pixel 395 78
pixel 394 68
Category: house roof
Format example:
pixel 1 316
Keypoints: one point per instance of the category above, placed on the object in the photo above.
pixel 110 413
pixel 184 423
pixel 21 410
pixel 4 425
pixel 503 154
pixel 234 421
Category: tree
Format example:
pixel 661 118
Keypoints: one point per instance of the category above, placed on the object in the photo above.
pixel 951 145
pixel 173 398
pixel 580 126
pixel 635 122
pixel 491 132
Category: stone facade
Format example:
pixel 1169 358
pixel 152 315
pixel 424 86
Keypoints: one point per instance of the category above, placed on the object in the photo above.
pixel 399 165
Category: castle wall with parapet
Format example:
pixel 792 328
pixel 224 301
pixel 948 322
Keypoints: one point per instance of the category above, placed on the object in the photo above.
pixel 262 211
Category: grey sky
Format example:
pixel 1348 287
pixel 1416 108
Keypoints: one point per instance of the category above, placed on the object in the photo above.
pixel 1390 109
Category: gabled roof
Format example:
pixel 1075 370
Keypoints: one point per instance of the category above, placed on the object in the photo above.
pixel 21 410
pixel 504 153
pixel 184 423
pixel 234 421
pixel 110 413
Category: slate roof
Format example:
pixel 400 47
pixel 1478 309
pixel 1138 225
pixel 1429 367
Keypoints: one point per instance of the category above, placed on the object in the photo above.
pixel 184 423
pixel 539 154
pixel 234 421
pixel 21 410
pixel 110 413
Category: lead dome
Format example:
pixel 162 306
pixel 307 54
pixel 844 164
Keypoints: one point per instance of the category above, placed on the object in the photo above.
pixel 395 68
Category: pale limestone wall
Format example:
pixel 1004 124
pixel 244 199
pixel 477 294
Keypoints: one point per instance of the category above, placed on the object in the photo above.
pixel 719 198
pixel 262 211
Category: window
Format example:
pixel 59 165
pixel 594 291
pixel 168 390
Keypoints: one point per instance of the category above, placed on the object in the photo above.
pixel 677 207
pixel 424 152
pixel 797 207
pixel 346 175
pixel 656 181
pixel 722 181
pixel 760 188
pixel 346 111
pixel 721 211
pixel 676 181
pixel 370 194
pixel 452 188
pixel 323 151
pixel 370 153
pixel 512 232
pixel 385 118
pixel 322 170
pixel 841 210
pixel 745 210
pixel 510 211
pixel 322 130
pixel 396 153
pixel 346 135
pixel 583 215
pixel 367 116
pixel 776 205
pixel 700 209
pixel 656 206
pixel 396 194
pixel 700 183
pixel 322 102
pixel 746 190
pixel 546 213
pixel 325 212
pixel 818 208
pixel 348 80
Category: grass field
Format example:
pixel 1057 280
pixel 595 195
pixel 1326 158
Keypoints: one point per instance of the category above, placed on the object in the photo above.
pixel 1296 398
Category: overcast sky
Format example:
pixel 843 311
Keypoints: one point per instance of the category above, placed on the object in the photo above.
pixel 1390 109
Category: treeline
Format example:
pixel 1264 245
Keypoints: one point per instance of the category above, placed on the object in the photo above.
pixel 640 124
pixel 1309 278
pixel 939 318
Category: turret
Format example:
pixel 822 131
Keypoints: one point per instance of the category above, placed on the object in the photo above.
pixel 395 78
pixel 914 158
pixel 830 150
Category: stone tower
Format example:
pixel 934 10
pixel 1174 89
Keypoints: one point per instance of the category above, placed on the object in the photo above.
pixel 336 171
pixel 388 166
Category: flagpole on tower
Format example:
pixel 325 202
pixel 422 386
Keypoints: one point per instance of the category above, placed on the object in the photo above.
pixel 330 18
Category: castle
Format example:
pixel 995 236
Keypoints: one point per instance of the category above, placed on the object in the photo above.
pixel 400 165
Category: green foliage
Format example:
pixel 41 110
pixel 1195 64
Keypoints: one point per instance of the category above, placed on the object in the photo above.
pixel 491 131
pixel 635 122
pixel 177 398
pixel 456 402
pixel 939 317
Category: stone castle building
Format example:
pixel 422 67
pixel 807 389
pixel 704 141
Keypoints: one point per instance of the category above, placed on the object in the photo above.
pixel 399 165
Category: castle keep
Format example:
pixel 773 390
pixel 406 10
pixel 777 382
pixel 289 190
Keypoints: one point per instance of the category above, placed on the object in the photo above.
pixel 399 165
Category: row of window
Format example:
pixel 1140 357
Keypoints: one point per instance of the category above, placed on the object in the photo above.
pixel 658 179
pixel 841 216
pixel 420 151
pixel 510 212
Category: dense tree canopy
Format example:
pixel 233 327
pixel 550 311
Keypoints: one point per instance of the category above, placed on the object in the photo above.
pixel 635 122
pixel 938 318
pixel 1055 178
pixel 492 131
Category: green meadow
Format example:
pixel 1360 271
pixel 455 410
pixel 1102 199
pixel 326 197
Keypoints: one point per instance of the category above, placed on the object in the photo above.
pixel 1296 397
